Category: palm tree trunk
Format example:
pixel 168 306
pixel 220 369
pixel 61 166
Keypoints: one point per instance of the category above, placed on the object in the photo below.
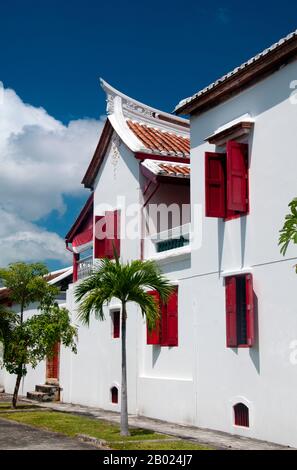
pixel 17 386
pixel 124 401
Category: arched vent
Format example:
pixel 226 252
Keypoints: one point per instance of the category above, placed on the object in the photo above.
pixel 241 415
pixel 114 395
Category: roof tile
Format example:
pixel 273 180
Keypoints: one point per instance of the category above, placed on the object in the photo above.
pixel 159 141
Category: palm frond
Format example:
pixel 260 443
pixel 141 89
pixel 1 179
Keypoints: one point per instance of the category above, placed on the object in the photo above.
pixel 128 282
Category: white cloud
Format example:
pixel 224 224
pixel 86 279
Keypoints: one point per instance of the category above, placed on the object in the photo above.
pixel 41 160
pixel 23 241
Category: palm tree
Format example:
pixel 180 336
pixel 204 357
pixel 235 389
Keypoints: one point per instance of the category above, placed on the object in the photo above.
pixel 129 283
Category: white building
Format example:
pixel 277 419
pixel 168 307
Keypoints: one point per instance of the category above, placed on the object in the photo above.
pixel 226 358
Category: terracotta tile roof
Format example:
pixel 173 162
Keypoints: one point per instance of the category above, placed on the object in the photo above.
pixel 161 142
pixel 176 170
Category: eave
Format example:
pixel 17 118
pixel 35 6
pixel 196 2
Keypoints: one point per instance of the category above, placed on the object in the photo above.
pixel 236 131
pixel 98 156
pixel 88 207
pixel 243 77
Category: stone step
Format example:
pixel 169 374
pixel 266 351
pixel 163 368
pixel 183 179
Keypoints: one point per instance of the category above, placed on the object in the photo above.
pixel 40 396
pixel 49 389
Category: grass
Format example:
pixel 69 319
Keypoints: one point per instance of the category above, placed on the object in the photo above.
pixel 71 425
pixel 7 406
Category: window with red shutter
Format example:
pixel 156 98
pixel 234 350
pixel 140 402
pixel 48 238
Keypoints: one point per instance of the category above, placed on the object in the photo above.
pixel 240 322
pixel 215 192
pixel 107 235
pixel 231 317
pixel 226 182
pixel 154 336
pixel 237 197
pixel 116 323
pixel 172 319
pixel 99 242
pixel 250 310
pixel 166 331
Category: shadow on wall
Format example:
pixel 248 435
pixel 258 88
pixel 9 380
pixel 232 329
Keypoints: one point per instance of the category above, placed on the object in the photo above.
pixel 156 350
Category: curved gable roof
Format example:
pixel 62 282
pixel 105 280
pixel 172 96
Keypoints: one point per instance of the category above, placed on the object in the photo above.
pixel 143 129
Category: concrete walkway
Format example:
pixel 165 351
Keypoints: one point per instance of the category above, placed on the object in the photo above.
pixel 215 439
pixel 16 436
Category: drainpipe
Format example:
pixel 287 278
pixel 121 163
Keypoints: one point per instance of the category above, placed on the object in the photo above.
pixel 75 260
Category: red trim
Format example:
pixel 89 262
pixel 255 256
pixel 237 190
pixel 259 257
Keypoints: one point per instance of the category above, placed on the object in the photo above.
pixel 98 156
pixel 165 158
pixel 86 211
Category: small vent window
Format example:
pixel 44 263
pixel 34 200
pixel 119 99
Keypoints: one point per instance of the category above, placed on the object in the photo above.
pixel 241 415
pixel 116 324
pixel 114 395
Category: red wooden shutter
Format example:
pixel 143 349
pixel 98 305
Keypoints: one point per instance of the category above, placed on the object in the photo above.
pixel 215 198
pixel 116 324
pixel 250 310
pixel 172 319
pixel 237 155
pixel 153 336
pixel 117 234
pixel 99 244
pixel 112 240
pixel 231 324
pixel 109 240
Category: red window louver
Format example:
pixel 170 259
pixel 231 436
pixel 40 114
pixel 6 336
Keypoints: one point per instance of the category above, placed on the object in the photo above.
pixel 226 182
pixel 172 319
pixel 116 324
pixel 215 205
pixel 240 311
pixel 166 331
pixel 250 312
pixel 153 336
pixel 231 323
pixel 99 243
pixel 241 415
pixel 114 395
pixel 109 226
pixel 237 155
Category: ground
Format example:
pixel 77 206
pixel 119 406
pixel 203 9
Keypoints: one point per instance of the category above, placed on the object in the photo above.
pixel 14 436
pixel 146 433
pixel 34 427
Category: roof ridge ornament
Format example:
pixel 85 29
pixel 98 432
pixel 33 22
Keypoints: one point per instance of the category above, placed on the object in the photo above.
pixel 135 110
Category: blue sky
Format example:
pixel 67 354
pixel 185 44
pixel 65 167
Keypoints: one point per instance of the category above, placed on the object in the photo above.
pixel 53 53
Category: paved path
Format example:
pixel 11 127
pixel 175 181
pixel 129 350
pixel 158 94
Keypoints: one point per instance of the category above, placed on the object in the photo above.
pixel 215 439
pixel 16 436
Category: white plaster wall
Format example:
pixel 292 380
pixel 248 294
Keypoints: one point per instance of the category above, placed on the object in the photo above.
pixel 263 376
pixel 117 184
pixel 87 377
